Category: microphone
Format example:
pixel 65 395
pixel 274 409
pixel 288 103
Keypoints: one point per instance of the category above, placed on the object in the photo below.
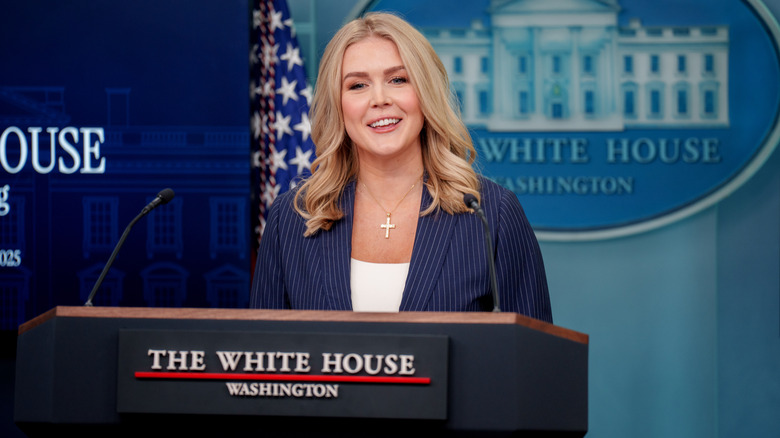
pixel 163 197
pixel 471 202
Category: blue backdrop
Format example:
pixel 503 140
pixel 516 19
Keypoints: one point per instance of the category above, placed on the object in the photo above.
pixel 102 105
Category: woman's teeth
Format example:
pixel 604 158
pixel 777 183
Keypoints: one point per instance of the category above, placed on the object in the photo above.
pixel 384 122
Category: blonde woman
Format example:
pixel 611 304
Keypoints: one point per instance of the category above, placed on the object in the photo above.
pixel 381 224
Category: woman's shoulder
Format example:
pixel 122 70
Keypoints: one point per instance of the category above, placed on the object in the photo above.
pixel 285 200
pixel 498 198
pixel 489 189
pixel 282 208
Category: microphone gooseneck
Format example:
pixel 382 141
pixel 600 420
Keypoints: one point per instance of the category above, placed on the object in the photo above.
pixel 163 197
pixel 471 202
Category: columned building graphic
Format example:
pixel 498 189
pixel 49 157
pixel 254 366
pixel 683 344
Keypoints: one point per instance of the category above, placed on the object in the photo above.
pixel 567 65
pixel 65 226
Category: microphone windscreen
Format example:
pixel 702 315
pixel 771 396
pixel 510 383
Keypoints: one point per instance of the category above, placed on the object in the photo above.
pixel 166 195
pixel 470 200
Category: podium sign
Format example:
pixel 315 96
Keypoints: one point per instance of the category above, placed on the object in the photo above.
pixel 282 374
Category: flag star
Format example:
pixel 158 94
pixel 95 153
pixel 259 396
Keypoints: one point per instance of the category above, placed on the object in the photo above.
pixel 270 192
pixel 266 128
pixel 304 127
pixel 277 160
pixel 268 88
pixel 282 125
pixel 253 59
pixel 255 90
pixel 276 21
pixel 307 93
pixel 257 124
pixel 302 159
pixel 257 18
pixel 292 56
pixel 289 23
pixel 269 54
pixel 288 90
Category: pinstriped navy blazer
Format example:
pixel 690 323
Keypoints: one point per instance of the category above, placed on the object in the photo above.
pixel 448 270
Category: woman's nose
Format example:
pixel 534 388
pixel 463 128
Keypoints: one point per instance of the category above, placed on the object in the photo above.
pixel 379 97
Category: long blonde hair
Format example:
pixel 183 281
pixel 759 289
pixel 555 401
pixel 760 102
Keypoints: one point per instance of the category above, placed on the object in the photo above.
pixel 448 152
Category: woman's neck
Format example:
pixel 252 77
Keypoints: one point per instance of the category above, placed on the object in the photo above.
pixel 390 187
pixel 389 181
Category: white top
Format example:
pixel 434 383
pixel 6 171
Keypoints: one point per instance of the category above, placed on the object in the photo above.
pixel 377 287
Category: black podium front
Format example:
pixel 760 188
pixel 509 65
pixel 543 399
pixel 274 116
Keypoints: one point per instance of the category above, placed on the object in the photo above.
pixel 153 372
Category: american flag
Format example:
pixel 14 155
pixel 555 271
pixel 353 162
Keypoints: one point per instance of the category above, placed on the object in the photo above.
pixel 282 150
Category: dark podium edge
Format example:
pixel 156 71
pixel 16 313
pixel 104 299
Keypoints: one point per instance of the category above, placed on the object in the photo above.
pixel 306 315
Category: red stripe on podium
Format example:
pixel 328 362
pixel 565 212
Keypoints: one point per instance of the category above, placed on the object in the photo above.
pixel 282 377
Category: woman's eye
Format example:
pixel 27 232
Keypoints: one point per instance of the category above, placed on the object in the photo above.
pixel 357 86
pixel 398 80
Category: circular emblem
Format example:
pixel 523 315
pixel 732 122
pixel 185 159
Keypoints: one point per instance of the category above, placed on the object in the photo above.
pixel 615 117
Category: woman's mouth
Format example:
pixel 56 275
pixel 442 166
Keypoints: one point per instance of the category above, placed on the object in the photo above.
pixel 384 122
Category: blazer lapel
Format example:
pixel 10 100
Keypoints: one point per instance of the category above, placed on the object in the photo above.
pixel 335 253
pixel 431 245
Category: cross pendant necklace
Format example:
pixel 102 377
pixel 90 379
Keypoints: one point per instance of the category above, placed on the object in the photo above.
pixel 387 226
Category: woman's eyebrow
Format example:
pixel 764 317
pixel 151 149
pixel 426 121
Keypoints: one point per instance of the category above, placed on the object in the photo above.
pixel 394 69
pixel 362 74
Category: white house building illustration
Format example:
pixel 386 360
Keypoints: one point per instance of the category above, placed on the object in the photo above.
pixel 566 65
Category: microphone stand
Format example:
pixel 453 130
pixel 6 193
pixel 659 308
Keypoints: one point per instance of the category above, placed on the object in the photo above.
pixel 472 203
pixel 113 256
pixel 163 197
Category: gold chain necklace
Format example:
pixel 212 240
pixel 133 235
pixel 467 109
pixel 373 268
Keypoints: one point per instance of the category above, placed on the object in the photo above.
pixel 387 226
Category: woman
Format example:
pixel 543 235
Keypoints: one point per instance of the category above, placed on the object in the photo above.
pixel 381 224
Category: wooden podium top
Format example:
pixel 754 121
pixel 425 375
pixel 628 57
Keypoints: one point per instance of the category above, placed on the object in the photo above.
pixel 304 315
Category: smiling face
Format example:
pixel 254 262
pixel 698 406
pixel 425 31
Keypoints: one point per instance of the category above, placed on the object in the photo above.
pixel 381 110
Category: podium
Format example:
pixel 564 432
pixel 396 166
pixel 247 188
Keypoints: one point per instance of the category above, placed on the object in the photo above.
pixel 153 372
